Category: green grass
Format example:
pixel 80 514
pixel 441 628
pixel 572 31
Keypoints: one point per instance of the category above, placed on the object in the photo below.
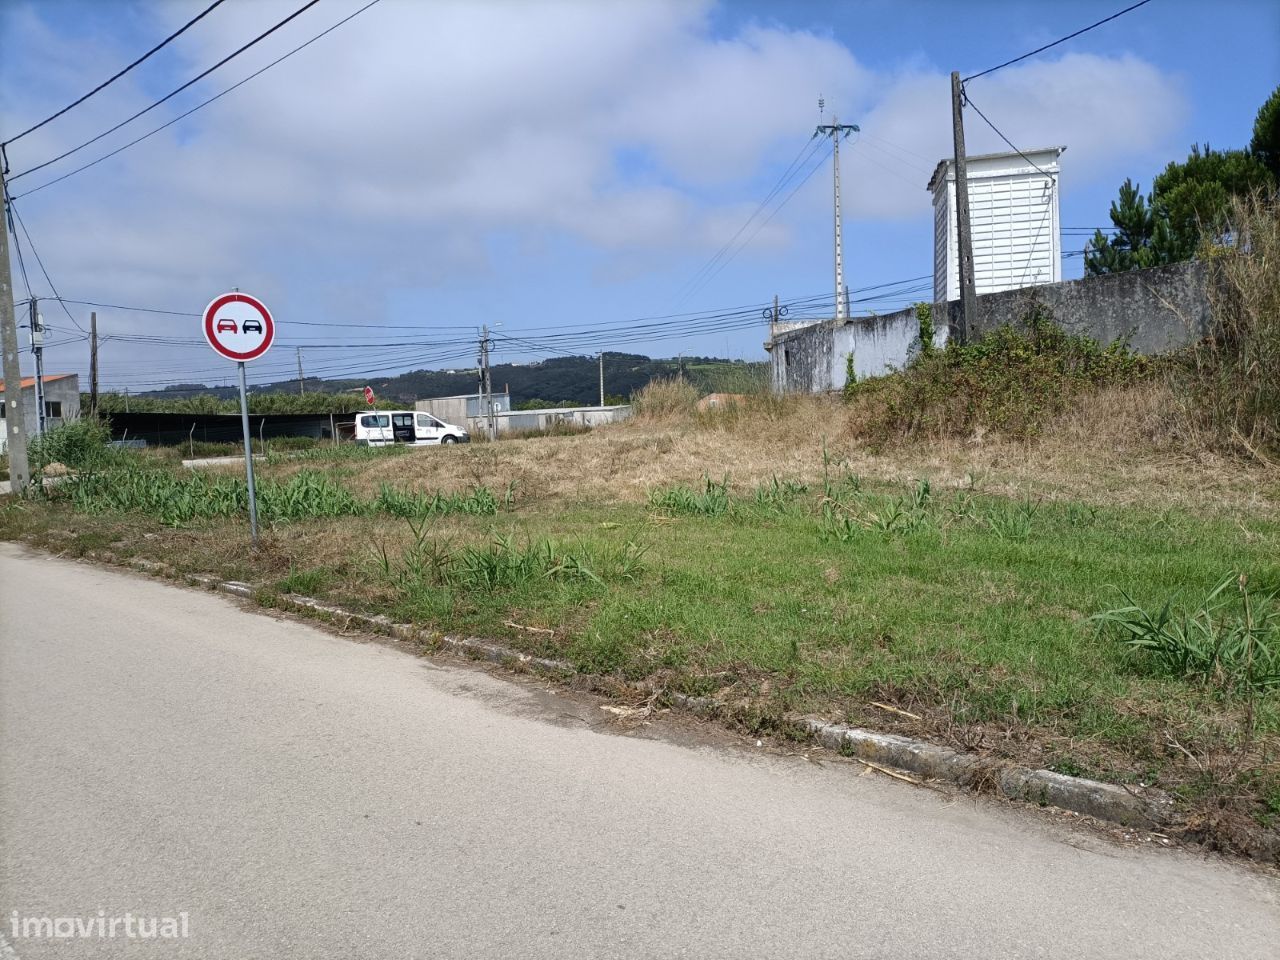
pixel 971 610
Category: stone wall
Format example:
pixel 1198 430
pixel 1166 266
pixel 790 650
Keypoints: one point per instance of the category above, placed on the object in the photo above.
pixel 1155 310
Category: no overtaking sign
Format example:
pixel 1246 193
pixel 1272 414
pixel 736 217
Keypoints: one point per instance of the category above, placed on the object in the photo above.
pixel 239 327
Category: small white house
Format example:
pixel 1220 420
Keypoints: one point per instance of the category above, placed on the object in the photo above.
pixel 61 401
pixel 1013 213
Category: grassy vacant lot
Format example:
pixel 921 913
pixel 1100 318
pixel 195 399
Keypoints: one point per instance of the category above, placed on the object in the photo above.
pixel 766 555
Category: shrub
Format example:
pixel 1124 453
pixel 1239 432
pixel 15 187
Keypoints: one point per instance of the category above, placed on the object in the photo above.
pixel 664 399
pixel 1230 381
pixel 77 444
pixel 1013 381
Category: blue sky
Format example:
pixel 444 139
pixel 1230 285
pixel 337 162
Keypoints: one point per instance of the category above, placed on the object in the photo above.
pixel 559 170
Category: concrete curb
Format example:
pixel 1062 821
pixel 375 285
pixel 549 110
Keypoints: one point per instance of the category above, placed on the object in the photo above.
pixel 931 761
pixel 1104 801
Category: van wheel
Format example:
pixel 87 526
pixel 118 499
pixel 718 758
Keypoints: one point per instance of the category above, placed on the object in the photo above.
pixel 448 439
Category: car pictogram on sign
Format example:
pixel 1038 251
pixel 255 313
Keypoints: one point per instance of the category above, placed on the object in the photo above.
pixel 238 326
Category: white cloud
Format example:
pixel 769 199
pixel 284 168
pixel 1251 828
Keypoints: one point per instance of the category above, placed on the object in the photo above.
pixel 393 148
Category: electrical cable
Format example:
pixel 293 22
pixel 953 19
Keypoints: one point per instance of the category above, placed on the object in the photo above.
pixel 969 102
pixel 1070 36
pixel 764 223
pixel 169 96
pixel 801 158
pixel 36 253
pixel 106 83
pixel 204 103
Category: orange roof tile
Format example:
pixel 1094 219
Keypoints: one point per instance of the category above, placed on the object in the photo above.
pixel 31 381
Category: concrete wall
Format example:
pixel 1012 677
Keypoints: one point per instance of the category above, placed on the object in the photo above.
pixel 457 410
pixel 1156 310
pixel 815 359
pixel 546 419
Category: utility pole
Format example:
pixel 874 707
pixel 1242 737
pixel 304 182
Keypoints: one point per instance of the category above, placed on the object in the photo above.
pixel 775 316
pixel 968 291
pixel 19 468
pixel 302 390
pixel 601 355
pixel 486 384
pixel 93 364
pixel 36 325
pixel 837 131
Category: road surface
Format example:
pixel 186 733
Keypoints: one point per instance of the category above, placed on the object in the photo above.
pixel 294 794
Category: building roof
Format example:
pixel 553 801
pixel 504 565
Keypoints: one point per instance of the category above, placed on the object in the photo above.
pixel 944 165
pixel 31 381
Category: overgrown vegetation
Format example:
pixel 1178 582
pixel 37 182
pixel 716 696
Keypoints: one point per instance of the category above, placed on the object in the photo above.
pixel 76 445
pixel 1230 381
pixel 1230 639
pixel 1013 381
pixel 181 499
pixel 503 562
pixel 665 398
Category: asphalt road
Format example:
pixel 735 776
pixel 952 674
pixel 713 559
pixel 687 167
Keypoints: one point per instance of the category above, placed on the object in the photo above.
pixel 300 795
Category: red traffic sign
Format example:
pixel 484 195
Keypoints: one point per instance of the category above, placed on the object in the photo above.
pixel 239 326
pixel 368 395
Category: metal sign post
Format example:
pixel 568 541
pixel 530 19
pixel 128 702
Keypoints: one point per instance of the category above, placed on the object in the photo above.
pixel 248 455
pixel 240 328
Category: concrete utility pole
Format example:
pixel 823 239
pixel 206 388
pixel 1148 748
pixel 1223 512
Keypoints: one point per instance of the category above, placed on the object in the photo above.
pixel 37 349
pixel 774 316
pixel 837 131
pixel 302 390
pixel 93 364
pixel 964 237
pixel 19 468
pixel 486 384
pixel 601 355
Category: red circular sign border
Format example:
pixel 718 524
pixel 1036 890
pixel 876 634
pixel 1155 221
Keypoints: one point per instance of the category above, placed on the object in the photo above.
pixel 269 334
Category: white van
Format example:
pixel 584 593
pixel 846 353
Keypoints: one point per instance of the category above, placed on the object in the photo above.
pixel 386 427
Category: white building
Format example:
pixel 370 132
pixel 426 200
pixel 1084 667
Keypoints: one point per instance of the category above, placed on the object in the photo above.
pixel 61 403
pixel 1013 212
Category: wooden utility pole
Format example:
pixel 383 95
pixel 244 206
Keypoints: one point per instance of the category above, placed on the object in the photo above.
pixel 968 292
pixel 16 432
pixel 93 364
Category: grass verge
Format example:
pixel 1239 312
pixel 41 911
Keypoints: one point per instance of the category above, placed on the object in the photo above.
pixel 828 593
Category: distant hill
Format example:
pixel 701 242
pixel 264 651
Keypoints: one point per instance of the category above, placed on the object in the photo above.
pixel 572 380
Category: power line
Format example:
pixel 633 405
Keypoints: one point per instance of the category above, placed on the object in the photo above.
pixel 1070 36
pixel 205 103
pixel 36 253
pixel 799 161
pixel 10 209
pixel 764 223
pixel 106 83
pixel 969 102
pixel 169 96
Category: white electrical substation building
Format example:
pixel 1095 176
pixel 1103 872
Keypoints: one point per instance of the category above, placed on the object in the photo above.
pixel 1013 213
